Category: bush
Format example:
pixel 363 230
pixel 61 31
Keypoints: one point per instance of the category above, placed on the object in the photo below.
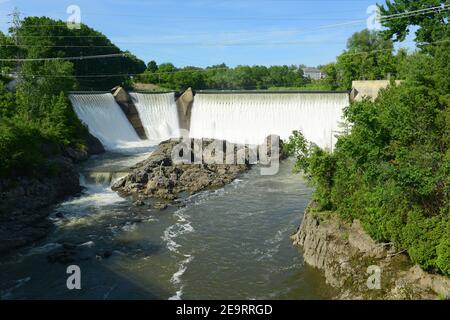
pixel 20 152
pixel 393 171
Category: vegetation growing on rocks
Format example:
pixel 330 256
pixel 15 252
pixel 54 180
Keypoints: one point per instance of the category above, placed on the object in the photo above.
pixel 392 170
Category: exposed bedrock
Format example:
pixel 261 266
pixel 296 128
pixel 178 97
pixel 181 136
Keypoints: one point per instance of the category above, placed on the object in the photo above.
pixel 24 203
pixel 344 252
pixel 93 147
pixel 161 177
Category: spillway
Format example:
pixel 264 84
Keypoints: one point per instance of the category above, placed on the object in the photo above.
pixel 158 114
pixel 249 118
pixel 105 120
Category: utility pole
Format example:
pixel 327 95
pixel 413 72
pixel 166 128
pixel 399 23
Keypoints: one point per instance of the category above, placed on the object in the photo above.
pixel 15 24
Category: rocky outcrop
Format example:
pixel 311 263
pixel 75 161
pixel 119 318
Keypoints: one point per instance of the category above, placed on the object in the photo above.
pixel 93 147
pixel 159 177
pixel 348 257
pixel 24 203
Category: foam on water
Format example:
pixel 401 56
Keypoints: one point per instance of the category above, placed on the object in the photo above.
pixel 181 227
pixel 80 210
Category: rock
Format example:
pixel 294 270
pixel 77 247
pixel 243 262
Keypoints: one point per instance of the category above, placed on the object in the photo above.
pixel 160 205
pixel 26 200
pixel 106 254
pixel 76 155
pixel 139 203
pixel 344 252
pixel 158 177
pixel 94 146
pixel 63 257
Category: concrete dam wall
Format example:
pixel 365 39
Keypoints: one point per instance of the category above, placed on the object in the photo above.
pixel 238 117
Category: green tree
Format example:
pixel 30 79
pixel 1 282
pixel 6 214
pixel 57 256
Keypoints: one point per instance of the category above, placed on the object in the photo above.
pixel 152 66
pixel 8 51
pixel 369 56
pixel 433 24
pixel 392 170
pixel 331 75
pixel 42 37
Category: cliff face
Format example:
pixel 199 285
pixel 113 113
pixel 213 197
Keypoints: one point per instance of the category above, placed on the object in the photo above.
pixel 352 261
pixel 24 204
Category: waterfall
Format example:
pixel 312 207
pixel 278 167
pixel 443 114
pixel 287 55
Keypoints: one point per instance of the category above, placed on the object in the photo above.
pixel 105 120
pixel 249 118
pixel 158 113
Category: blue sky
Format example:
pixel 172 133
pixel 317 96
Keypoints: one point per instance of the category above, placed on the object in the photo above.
pixel 207 32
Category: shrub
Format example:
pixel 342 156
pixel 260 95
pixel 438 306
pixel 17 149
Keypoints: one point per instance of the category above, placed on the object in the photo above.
pixel 393 171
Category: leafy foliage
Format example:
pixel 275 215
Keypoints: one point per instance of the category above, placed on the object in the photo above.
pixel 41 37
pixel 433 24
pixel 369 56
pixel 224 78
pixel 393 170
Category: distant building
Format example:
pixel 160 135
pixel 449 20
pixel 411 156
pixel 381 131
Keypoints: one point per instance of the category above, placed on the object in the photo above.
pixel 313 73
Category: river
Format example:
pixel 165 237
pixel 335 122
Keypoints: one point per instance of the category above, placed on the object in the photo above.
pixel 230 243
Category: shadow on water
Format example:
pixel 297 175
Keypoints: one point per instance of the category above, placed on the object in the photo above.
pixel 37 276
pixel 222 244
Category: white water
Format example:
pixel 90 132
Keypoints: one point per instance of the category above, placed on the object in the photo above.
pixel 106 120
pixel 250 118
pixel 158 113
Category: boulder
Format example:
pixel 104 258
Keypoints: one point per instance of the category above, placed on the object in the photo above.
pixel 94 146
pixel 158 177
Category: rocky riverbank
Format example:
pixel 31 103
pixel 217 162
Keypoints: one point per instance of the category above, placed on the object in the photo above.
pixel 344 252
pixel 25 202
pixel 160 178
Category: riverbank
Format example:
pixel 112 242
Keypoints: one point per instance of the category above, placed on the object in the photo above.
pixel 25 202
pixel 344 252
pixel 228 243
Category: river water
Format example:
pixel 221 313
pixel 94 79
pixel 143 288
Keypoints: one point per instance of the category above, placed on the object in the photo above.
pixel 230 243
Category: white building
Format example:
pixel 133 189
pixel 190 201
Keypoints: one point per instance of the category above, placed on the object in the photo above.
pixel 313 73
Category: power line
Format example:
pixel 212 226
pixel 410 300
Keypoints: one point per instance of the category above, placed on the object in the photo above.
pixel 67 58
pixel 385 18
pixel 422 11
pixel 196 70
pixel 246 18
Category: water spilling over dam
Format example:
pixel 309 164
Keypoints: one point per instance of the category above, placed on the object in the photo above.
pixel 238 117
pixel 249 118
pixel 158 113
pixel 105 119
pixel 227 243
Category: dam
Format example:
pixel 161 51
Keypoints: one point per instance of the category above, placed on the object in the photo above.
pixel 104 119
pixel 238 117
pixel 226 243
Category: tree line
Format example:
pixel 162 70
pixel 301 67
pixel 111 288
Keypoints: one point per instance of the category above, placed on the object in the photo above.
pixel 368 56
